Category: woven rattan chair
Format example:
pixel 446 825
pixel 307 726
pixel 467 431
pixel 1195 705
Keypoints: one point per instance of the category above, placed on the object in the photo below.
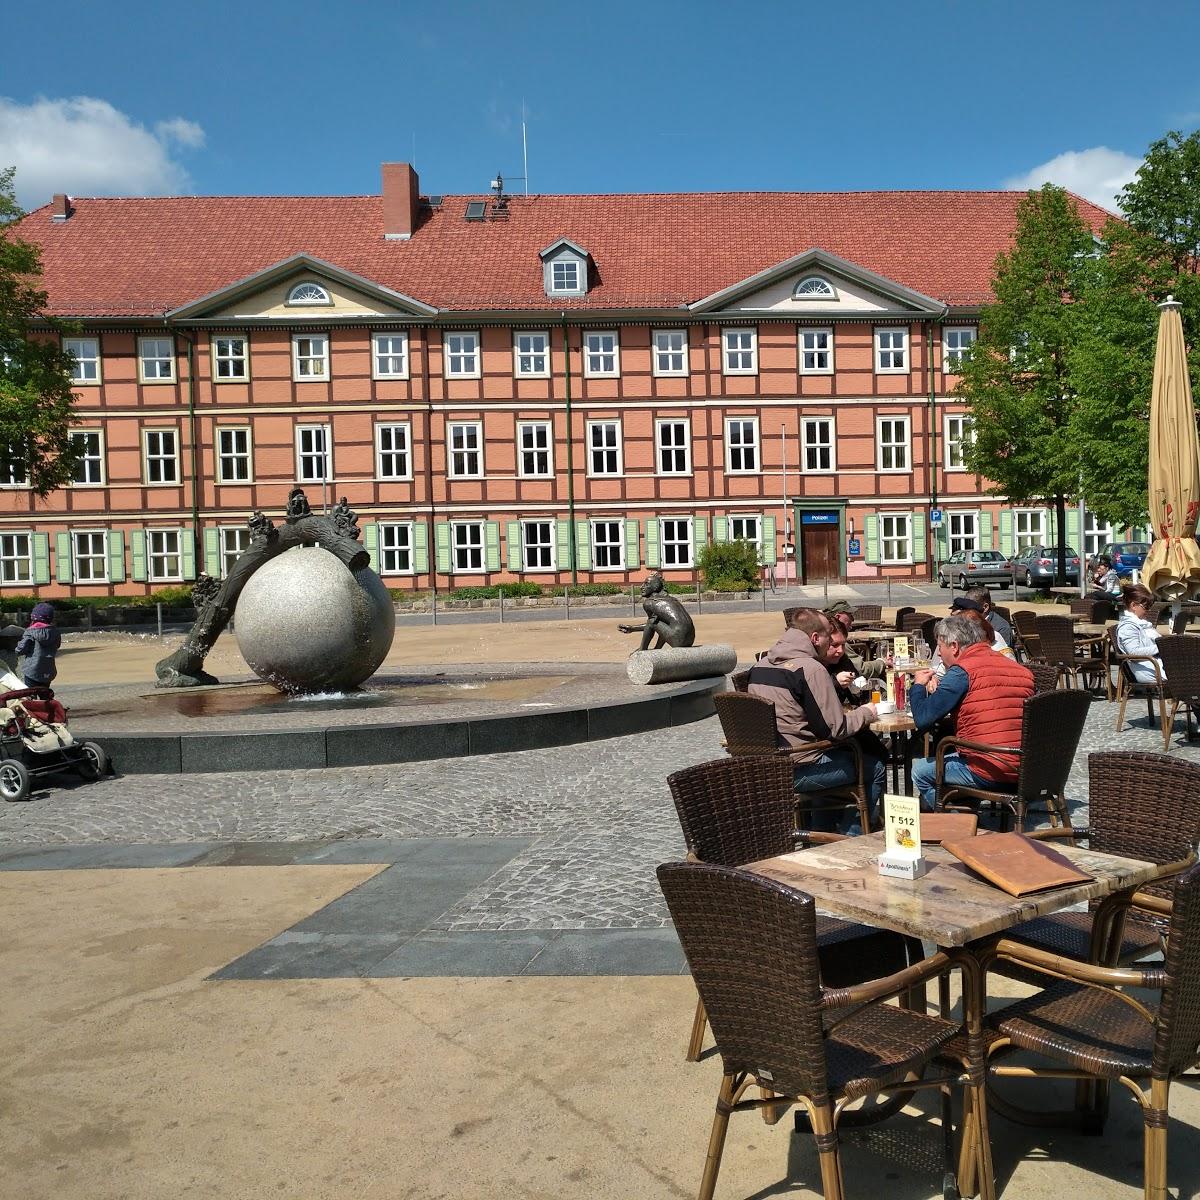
pixel 740 680
pixel 1180 655
pixel 789 613
pixel 1056 637
pixel 901 613
pixel 1093 1032
pixel 912 621
pixel 1051 727
pixel 751 945
pixel 735 811
pixel 1024 623
pixel 1045 677
pixel 867 613
pixel 1095 612
pixel 1129 687
pixel 748 723
pixel 1004 611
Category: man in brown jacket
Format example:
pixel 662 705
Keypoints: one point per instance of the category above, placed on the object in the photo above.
pixel 794 676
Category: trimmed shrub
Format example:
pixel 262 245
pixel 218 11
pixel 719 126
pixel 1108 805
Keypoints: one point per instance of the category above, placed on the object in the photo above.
pixel 589 589
pixel 729 566
pixel 510 590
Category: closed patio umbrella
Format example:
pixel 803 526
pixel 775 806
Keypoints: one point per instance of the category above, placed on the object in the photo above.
pixel 1172 568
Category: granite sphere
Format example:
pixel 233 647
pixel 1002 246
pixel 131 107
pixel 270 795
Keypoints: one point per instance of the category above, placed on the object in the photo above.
pixel 306 623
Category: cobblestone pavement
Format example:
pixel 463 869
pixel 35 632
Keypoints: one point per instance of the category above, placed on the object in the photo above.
pixel 598 816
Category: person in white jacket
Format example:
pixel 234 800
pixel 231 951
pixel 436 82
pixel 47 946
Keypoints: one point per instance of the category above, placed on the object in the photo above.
pixel 1136 633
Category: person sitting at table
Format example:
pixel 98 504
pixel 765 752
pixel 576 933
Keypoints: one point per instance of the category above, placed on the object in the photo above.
pixel 794 676
pixel 842 615
pixel 966 605
pixel 983 597
pixel 1106 579
pixel 1136 633
pixel 986 693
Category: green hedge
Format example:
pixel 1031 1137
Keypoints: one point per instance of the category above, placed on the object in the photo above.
pixel 510 590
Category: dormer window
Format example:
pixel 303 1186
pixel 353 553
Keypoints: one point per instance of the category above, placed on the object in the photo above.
pixel 308 293
pixel 814 287
pixel 564 275
pixel 565 269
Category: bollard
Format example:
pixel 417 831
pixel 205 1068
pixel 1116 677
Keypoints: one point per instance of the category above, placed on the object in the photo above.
pixel 699 608
pixel 825 587
pixel 90 616
pixel 501 591
pixel 567 606
pixel 633 599
pixel 764 599
pixel 889 591
pixel 159 608
pixel 433 608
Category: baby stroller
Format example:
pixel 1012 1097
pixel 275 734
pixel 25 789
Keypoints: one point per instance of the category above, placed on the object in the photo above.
pixel 35 740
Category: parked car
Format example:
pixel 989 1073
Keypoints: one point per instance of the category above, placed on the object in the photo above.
pixel 1035 566
pixel 1126 557
pixel 969 567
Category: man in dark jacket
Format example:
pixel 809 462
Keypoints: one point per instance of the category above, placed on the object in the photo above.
pixel 983 597
pixel 39 647
pixel 842 615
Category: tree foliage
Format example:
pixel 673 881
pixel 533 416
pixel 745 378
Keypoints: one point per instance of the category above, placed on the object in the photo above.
pixel 37 405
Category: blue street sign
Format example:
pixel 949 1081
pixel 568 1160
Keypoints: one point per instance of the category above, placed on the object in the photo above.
pixel 935 517
pixel 818 518
pixel 853 548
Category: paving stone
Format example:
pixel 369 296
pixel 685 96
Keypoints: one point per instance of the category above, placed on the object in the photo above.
pixel 313 956
pixel 611 952
pixel 93 856
pixel 473 953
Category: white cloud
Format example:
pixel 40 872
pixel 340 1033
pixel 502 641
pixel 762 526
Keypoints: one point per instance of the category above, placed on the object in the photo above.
pixel 85 147
pixel 1097 174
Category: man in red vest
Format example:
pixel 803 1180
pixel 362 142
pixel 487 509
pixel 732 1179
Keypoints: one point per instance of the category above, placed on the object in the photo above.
pixel 986 693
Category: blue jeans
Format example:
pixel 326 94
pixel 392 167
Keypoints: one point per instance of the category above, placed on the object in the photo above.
pixel 836 768
pixel 956 773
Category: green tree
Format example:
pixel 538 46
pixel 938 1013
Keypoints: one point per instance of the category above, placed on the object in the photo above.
pixel 1017 381
pixel 37 405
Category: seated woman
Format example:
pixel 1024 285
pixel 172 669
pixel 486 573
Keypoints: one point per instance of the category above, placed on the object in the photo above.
pixel 1107 582
pixel 1136 634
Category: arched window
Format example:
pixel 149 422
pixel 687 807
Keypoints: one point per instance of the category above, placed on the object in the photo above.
pixel 814 287
pixel 308 293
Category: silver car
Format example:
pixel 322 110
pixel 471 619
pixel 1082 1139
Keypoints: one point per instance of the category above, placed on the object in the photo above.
pixel 970 567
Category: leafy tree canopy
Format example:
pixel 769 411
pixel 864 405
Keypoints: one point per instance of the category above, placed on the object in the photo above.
pixel 36 401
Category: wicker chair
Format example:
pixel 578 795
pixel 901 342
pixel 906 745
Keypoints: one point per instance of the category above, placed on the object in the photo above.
pixel 1180 656
pixel 1024 623
pixel 735 811
pixel 740 680
pixel 1095 612
pixel 1004 611
pixel 901 613
pixel 748 723
pixel 1056 637
pixel 789 613
pixel 1051 727
pixel 912 621
pixel 867 613
pixel 1129 687
pixel 1045 677
pixel 1094 1033
pixel 751 945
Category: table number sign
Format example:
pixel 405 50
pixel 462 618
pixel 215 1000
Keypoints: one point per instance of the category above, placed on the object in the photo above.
pixel 901 651
pixel 902 858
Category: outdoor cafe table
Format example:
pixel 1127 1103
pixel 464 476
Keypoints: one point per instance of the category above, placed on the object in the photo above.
pixel 1064 593
pixel 900 729
pixel 950 906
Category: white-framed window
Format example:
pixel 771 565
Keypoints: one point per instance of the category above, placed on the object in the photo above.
pixel 16 558
pixel 314 457
pixel 85 354
pixel 955 343
pixel 895 538
pixel 466 449
pixel 891 436
pixel 676 541
pixel 537 545
pixel 1029 527
pixel 389 355
pixel 601 354
pixel 670 352
pixel 395 548
pixel 393 458
pixel 604 447
pixel 816 351
pixel 739 351
pixel 531 354
pixel 608 545
pixel 14 467
pixel 161 452
pixel 565 275
pixel 741 445
pixel 962 531
pixel 814 287
pixel 535 456
pixel 462 355
pixel 673 446
pixel 89 468
pixel 156 359
pixel 233 454
pixel 231 358
pixel 310 357
pixel 817 445
pixel 958 435
pixel 1096 534
pixel 235 541
pixel 891 351
pixel 164 555
pixel 89 555
pixel 308 293
pixel 466 541
pixel 746 529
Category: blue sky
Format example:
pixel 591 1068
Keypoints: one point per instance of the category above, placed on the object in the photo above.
pixel 262 96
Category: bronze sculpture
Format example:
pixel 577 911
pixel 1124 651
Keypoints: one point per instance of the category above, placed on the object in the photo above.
pixel 668 620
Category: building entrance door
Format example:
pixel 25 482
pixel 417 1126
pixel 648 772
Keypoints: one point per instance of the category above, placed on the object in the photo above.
pixel 819 548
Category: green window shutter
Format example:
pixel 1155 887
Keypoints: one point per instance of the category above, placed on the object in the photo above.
pixel 441 534
pixel 370 541
pixel 583 548
pixel 514 545
pixel 1073 526
pixel 39 544
pixel 137 554
pixel 562 539
pixel 63 566
pixel 653 549
pixel 918 537
pixel 491 544
pixel 872 528
pixel 769 551
pixel 420 538
pixel 187 556
pixel 1006 533
pixel 985 530
pixel 699 536
pixel 116 556
pixel 633 537
pixel 212 551
pixel 720 529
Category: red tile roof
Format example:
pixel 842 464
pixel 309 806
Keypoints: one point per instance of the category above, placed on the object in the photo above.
pixel 137 257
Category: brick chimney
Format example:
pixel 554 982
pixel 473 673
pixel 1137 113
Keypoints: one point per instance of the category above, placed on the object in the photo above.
pixel 60 207
pixel 400 196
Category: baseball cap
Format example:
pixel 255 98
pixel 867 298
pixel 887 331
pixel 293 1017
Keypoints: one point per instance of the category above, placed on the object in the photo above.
pixel 838 606
pixel 965 603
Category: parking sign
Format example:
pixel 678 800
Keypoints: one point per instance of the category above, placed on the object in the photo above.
pixel 935 518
